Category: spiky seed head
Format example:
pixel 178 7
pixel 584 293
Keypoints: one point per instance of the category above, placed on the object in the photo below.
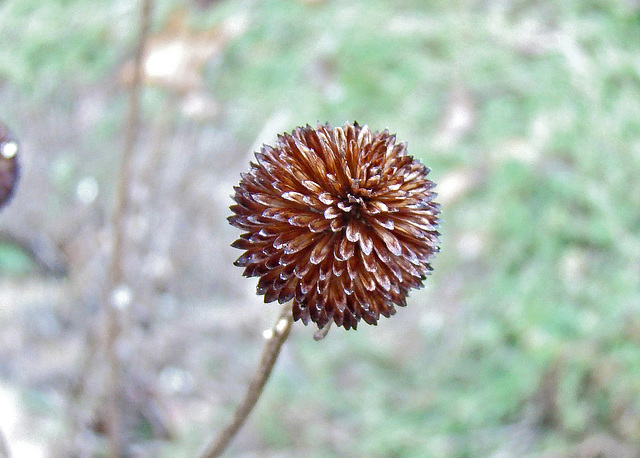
pixel 341 221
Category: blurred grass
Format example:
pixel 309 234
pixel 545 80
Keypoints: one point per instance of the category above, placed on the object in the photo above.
pixel 554 89
pixel 558 269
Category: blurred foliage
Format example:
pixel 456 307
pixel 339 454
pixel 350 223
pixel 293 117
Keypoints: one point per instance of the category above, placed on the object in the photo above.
pixel 559 265
pixel 554 92
pixel 14 261
pixel 82 44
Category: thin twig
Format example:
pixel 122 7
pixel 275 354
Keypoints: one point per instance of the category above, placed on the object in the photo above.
pixel 116 266
pixel 275 338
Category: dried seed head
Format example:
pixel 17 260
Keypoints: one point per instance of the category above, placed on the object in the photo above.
pixel 9 169
pixel 340 220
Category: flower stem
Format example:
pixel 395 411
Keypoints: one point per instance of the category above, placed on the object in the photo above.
pixel 275 338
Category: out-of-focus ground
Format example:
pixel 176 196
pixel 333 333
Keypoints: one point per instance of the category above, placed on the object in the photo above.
pixel 525 341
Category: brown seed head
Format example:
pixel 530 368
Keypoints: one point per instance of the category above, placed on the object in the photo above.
pixel 340 220
pixel 9 169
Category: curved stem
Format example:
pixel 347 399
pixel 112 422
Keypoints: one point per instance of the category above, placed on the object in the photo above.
pixel 275 338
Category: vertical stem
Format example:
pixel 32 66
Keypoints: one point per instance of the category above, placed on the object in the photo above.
pixel 116 266
pixel 275 338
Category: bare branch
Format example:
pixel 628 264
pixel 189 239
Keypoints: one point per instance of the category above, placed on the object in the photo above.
pixel 116 267
pixel 275 338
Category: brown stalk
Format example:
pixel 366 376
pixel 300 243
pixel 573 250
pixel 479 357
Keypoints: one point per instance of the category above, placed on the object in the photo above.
pixel 276 338
pixel 116 266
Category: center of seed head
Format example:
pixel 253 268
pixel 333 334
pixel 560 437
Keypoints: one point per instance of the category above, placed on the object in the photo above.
pixel 352 205
pixel 355 200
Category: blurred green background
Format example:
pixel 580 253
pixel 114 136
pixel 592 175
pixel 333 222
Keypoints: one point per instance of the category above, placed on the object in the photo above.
pixel 526 339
